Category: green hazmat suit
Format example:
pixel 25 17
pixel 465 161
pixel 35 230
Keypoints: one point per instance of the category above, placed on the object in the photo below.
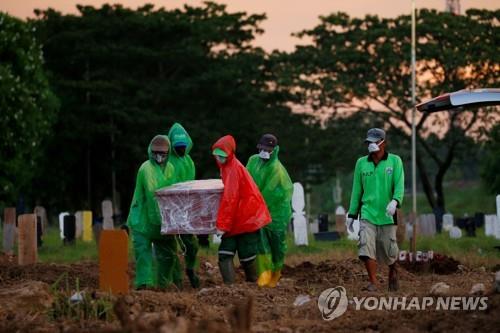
pixel 276 187
pixel 144 221
pixel 184 171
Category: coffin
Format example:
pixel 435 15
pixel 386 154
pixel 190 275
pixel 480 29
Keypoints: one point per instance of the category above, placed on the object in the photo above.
pixel 190 207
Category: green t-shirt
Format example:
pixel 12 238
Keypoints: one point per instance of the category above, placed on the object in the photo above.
pixel 374 186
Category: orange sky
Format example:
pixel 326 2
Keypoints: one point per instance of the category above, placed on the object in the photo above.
pixel 283 16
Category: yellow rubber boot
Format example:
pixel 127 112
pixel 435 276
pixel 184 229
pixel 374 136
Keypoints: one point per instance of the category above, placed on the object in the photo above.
pixel 274 279
pixel 264 278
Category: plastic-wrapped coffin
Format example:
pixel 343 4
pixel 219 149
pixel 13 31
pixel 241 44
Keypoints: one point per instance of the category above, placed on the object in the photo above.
pixel 190 207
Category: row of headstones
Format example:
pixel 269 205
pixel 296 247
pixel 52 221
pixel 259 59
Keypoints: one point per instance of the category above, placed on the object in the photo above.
pixel 426 223
pixel 27 232
pixel 79 225
pixel 113 248
pixel 319 228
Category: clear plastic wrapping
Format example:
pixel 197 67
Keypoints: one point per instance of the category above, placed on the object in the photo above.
pixel 190 207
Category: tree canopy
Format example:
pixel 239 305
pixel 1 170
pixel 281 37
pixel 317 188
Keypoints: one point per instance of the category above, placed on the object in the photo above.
pixel 27 107
pixel 363 65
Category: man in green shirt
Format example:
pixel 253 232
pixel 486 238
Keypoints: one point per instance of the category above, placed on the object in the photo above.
pixel 377 191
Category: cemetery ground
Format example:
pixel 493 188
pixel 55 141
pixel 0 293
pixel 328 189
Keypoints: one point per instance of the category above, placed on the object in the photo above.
pixel 37 297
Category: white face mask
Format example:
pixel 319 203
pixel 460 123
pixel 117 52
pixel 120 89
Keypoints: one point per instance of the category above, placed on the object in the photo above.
pixel 265 155
pixel 220 159
pixel 374 147
pixel 159 158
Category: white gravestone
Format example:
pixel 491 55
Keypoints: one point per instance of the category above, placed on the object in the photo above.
pixel 61 223
pixel 497 229
pixel 299 220
pixel 447 222
pixel 489 225
pixel 455 233
pixel 107 215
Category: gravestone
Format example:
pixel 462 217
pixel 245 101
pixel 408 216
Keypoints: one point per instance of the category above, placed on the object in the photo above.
pixel 447 222
pixel 107 215
pixel 494 226
pixel 426 224
pixel 87 226
pixel 479 219
pixel 314 226
pixel 69 229
pixel 489 225
pixel 39 231
pixel 61 224
pixel 113 262
pixel 455 233
pixel 299 220
pixel 27 247
pixel 9 230
pixel 340 219
pixel 78 224
pixel 42 213
pixel 97 229
pixel 323 222
pixel 497 230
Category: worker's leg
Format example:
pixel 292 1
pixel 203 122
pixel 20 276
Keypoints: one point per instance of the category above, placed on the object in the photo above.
pixel 367 251
pixel 248 246
pixel 263 260
pixel 143 260
pixel 277 240
pixel 166 255
pixel 227 250
pixel 387 252
pixel 191 251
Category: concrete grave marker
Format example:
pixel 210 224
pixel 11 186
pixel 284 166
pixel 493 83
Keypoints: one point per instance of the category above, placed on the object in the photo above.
pixel 9 230
pixel 340 220
pixel 42 213
pixel 61 224
pixel 497 229
pixel 107 215
pixel 79 224
pixel 426 225
pixel 447 222
pixel 69 229
pixel 113 262
pixel 87 226
pixel 299 220
pixel 27 240
pixel 455 233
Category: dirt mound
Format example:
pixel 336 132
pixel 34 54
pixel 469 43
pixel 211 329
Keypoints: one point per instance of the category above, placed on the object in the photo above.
pixel 441 264
pixel 87 273
pixel 241 306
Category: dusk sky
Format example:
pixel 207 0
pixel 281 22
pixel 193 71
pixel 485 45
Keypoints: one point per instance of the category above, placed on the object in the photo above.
pixel 283 16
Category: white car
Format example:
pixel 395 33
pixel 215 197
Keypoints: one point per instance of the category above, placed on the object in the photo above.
pixel 462 98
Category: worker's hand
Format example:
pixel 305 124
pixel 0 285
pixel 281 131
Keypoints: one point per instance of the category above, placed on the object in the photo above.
pixel 391 208
pixel 350 224
pixel 219 232
pixel 125 227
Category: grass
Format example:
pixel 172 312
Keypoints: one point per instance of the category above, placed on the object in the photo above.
pixel 53 250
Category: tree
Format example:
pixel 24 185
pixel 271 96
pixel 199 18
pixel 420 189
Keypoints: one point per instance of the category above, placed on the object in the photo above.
pixel 125 75
pixel 27 105
pixel 363 65
pixel 491 161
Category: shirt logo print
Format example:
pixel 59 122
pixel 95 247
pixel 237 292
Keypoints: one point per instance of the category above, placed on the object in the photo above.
pixel 389 170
